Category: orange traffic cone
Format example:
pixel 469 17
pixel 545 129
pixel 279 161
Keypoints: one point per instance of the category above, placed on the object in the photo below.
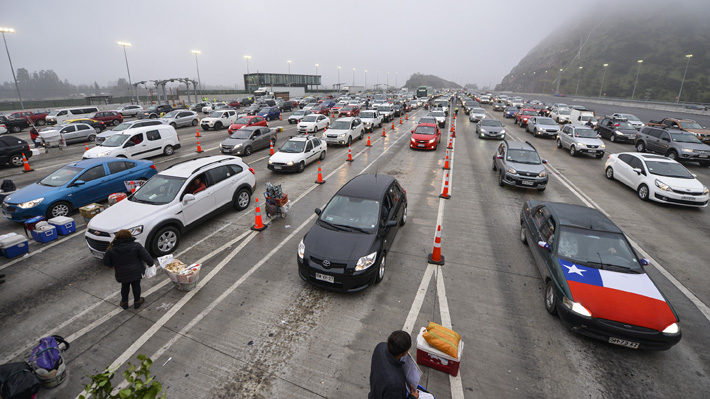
pixel 400 120
pixel 436 257
pixel 392 124
pixel 199 149
pixel 271 147
pixel 350 154
pixel 133 187
pixel 446 164
pixel 452 126
pixel 445 193
pixel 451 144
pixel 320 176
pixel 26 165
pixel 406 117
pixel 198 133
pixel 368 141
pixel 86 146
pixel 258 224
pixel 280 117
pixel 453 133
pixel 383 131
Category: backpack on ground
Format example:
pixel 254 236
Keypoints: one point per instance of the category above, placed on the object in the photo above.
pixel 17 381
pixel 7 186
pixel 47 361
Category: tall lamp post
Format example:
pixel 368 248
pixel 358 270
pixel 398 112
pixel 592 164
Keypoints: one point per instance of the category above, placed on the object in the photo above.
pixel 246 85
pixel 578 80
pixel 199 81
pixel 689 56
pixel 365 79
pixel 388 81
pixel 353 76
pixel 544 85
pixel 338 79
pixel 633 93
pixel 603 76
pixel 10 30
pixel 317 88
pixel 559 79
pixel 289 66
pixel 125 56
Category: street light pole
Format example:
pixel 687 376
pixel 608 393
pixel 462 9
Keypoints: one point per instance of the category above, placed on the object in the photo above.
pixel 689 56
pixel 353 76
pixel 544 85
pixel 246 85
pixel 578 80
pixel 559 78
pixel 633 93
pixel 125 56
pixel 10 30
pixel 199 81
pixel 603 76
pixel 317 87
pixel 388 81
pixel 338 79
pixel 289 66
pixel 365 79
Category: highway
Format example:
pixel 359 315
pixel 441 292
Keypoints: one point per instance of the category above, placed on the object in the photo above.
pixel 253 328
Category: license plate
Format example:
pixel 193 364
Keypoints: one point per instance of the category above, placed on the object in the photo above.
pixel 325 277
pixel 622 342
pixel 591 150
pixel 527 182
pixel 420 145
pixel 703 155
pixel 97 254
pixel 277 167
pixel 686 198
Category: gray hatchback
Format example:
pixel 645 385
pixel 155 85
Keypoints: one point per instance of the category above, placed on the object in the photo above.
pixel 519 164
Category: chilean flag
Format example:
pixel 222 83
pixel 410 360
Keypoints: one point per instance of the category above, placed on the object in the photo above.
pixel 624 297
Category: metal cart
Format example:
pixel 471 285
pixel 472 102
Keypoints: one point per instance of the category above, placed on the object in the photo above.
pixel 277 203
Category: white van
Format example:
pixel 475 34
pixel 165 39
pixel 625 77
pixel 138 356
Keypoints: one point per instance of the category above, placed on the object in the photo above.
pixel 581 116
pixel 139 143
pixel 62 114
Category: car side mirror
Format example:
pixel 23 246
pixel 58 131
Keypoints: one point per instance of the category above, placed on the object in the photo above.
pixel 665 139
pixel 544 161
pixel 391 223
pixel 637 170
pixel 188 198
pixel 544 245
pixel 599 136
pixel 78 183
pixel 499 156
pixel 318 211
pixel 644 262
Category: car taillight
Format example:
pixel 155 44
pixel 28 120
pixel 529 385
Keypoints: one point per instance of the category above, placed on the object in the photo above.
pixel 252 171
pixel 153 167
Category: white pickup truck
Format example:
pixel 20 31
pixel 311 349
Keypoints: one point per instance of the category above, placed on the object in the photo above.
pixel 370 119
pixel 387 112
pixel 219 119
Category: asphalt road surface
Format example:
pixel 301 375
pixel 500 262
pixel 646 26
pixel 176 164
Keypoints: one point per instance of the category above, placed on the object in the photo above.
pixel 252 328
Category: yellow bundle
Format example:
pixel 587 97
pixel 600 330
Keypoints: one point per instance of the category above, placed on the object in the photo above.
pixel 443 339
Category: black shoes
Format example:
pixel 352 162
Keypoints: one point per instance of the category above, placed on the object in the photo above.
pixel 138 304
pixel 124 304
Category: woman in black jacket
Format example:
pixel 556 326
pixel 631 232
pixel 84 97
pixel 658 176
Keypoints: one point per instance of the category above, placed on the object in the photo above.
pixel 126 256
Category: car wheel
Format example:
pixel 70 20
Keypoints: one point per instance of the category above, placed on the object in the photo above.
pixel 165 241
pixel 194 122
pixel 173 124
pixel 523 238
pixel 247 151
pixel 242 199
pixel 153 116
pixel 301 166
pixel 380 270
pixel 672 154
pixel 550 298
pixel 168 150
pixel 41 122
pixel 559 143
pixel 500 179
pixel 362 134
pixel 15 129
pixel 61 208
pixel 115 122
pixel 97 129
pixel 610 173
pixel 572 151
pixel 16 160
pixel 404 216
pixel 643 192
pixel 322 155
pixel 92 138
pixel 599 156
pixel 218 126
pixel 612 138
pixel 640 147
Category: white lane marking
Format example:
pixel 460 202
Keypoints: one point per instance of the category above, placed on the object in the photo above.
pixel 455 383
pixel 418 300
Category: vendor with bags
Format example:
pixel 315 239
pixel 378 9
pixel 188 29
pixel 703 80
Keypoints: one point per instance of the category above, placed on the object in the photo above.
pixel 126 256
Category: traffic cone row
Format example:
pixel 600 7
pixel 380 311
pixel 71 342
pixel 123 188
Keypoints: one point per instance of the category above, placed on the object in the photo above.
pixel 436 257
pixel 86 146
pixel 368 141
pixel 453 133
pixel 406 117
pixel 199 148
pixel 445 193
pixel 392 124
pixel 400 120
pixel 383 131
pixel 258 224
pixel 350 154
pixel 446 163
pixel 133 187
pixel 198 133
pixel 451 144
pixel 280 117
pixel 25 164
pixel 271 147
pixel 319 180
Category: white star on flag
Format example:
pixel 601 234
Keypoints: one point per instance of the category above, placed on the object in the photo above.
pixel 574 269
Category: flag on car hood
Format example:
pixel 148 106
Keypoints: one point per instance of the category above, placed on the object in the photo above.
pixel 624 297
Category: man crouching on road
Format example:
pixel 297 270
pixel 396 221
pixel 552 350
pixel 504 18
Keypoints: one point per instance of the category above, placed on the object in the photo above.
pixel 387 380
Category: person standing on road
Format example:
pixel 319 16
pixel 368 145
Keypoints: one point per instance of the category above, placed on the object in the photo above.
pixel 387 379
pixel 126 257
pixel 34 135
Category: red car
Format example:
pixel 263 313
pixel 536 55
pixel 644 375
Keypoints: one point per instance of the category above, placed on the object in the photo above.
pixel 521 118
pixel 234 104
pixel 107 117
pixel 426 136
pixel 320 109
pixel 247 121
pixel 349 110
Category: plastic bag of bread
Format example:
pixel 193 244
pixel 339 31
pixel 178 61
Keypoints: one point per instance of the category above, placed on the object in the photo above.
pixel 443 339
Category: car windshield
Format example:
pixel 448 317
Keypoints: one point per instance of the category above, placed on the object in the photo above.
pixel 171 114
pixel 242 121
pixel 53 113
pixel 523 156
pixel 159 190
pixel 293 146
pixel 438 114
pixel 599 249
pixel 529 113
pixel 385 108
pixel 546 121
pixel 669 169
pixel 564 111
pixel 369 115
pixel 152 109
pixel 348 108
pixel 511 109
pixel 299 113
pixel 216 114
pixel 585 118
pixel 344 212
pixel 685 138
pixel 340 125
pixel 264 110
pixel 310 118
pixel 122 126
pixel 585 133
pixel 690 125
pixel 631 117
pixel 430 130
pixel 491 122
pixel 479 111
pixel 241 134
pixel 61 176
pixel 116 140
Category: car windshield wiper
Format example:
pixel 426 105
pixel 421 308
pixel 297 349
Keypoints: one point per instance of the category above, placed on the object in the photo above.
pixel 333 225
pixel 360 229
pixel 624 268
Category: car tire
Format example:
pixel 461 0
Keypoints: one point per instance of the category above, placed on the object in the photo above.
pixel 194 122
pixel 642 192
pixel 362 135
pixel 381 269
pixel 612 138
pixel 404 216
pixel 165 241
pixel 609 173
pixel 247 151
pixel 640 147
pixel 40 122
pixel 61 208
pixel 242 199
pixel 301 167
pixel 168 150
pixel 15 129
pixel 500 179
pixel 672 154
pixel 218 126
pixel 16 160
pixel 153 116
pixel 599 156
pixel 322 155
pixel 91 138
pixel 115 122
pixel 559 143
pixel 572 151
pixel 173 124
pixel 523 237
pixel 550 298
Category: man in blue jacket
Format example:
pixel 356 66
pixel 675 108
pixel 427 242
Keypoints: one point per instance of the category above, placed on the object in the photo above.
pixel 387 379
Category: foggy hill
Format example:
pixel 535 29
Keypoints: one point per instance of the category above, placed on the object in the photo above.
pixel 660 33
pixel 435 82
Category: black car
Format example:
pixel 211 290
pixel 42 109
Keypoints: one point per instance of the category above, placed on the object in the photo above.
pixel 155 111
pixel 198 107
pixel 616 130
pixel 11 150
pixel 519 164
pixel 286 106
pixel 594 279
pixel 346 248
pixel 14 125
pixel 253 109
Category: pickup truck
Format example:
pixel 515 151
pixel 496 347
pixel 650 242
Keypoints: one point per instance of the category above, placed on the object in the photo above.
pixel 686 125
pixel 676 144
pixel 36 118
pixel 387 112
pixel 219 119
pixel 14 125
pixel 370 119
pixel 248 139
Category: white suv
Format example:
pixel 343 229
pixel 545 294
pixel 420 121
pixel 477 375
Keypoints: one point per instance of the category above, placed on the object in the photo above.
pixel 297 152
pixel 219 119
pixel 173 201
pixel 344 131
pixel 313 123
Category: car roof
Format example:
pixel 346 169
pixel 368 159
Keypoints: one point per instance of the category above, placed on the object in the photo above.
pixel 189 167
pixel 428 124
pixel 345 119
pixel 91 162
pixel 300 138
pixel 582 217
pixel 370 186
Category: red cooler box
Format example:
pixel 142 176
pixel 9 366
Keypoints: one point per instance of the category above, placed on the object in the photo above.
pixel 436 359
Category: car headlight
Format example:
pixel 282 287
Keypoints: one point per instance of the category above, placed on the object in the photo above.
pixel 539 129
pixel 30 204
pixel 237 146
pixel 483 131
pixel 365 262
pixel 135 230
pixel 688 150
pixel 301 249
pixel 289 163
pixel 672 329
pixel 432 140
pixel 512 171
pixel 705 190
pixel 502 131
pixel 581 144
pixel 542 174
pixel 104 154
pixel 663 186
pixel 576 307
pixel 602 146
pixel 271 162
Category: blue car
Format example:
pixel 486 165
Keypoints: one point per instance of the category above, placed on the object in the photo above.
pixel 75 185
pixel 510 112
pixel 270 113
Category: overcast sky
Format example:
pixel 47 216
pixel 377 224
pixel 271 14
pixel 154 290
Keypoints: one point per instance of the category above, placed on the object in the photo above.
pixel 465 41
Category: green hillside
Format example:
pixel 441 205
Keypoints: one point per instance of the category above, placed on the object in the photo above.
pixel 435 82
pixel 661 34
